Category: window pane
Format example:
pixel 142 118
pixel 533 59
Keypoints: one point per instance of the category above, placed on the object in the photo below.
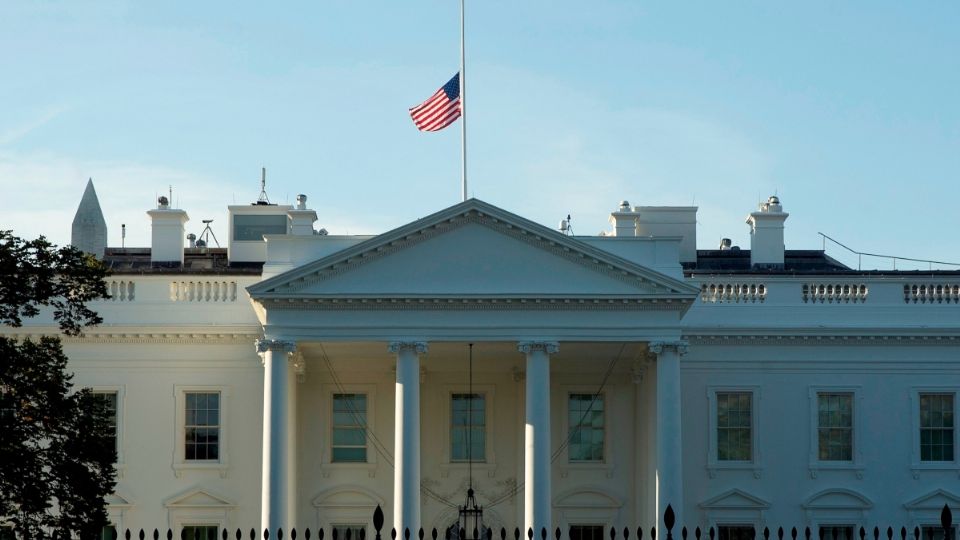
pixel 202 426
pixel 734 426
pixel 349 440
pixel 936 427
pixel 468 422
pixel 254 227
pixel 586 427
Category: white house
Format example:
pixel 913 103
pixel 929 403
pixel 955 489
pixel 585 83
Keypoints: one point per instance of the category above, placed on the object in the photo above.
pixel 299 378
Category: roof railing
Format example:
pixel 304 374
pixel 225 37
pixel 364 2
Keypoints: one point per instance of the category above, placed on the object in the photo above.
pixel 893 258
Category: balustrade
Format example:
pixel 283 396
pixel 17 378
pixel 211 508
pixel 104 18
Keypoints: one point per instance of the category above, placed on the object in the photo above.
pixel 725 293
pixel 931 293
pixel 203 291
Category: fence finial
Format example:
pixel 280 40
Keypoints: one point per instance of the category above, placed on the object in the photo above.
pixel 946 518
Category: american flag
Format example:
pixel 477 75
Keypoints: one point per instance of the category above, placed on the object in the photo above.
pixel 441 110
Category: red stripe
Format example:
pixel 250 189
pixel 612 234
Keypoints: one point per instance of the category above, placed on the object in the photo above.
pixel 430 109
pixel 438 112
pixel 443 122
pixel 430 100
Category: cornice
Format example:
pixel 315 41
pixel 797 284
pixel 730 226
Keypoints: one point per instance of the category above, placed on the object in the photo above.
pixel 847 339
pixel 181 338
pixel 477 304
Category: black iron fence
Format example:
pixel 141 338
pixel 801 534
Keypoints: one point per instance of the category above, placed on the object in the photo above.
pixel 668 531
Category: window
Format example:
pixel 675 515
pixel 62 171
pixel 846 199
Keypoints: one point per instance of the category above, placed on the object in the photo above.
pixel 586 431
pixel 341 532
pixel 935 532
pixel 835 426
pixel 253 227
pixel 199 532
pixel 468 427
pixel 735 532
pixel 110 402
pixel 586 532
pixel 109 532
pixel 836 532
pixel 734 426
pixel 349 428
pixel 937 427
pixel 202 426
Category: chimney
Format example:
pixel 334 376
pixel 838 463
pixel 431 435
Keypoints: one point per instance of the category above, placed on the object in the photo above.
pixel 678 221
pixel 301 218
pixel 166 246
pixel 624 220
pixel 766 234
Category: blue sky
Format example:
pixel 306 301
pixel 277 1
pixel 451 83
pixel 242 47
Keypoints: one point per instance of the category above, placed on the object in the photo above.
pixel 850 112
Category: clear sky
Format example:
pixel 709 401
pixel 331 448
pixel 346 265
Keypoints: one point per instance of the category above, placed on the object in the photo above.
pixel 849 111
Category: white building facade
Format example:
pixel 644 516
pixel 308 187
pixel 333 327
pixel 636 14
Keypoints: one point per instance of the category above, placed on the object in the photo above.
pixel 303 379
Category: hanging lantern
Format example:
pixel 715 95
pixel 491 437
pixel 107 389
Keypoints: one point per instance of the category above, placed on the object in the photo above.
pixel 471 518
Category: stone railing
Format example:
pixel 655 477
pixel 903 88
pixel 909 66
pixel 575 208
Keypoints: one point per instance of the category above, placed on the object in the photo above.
pixel 121 290
pixel 733 293
pixel 203 291
pixel 931 293
pixel 840 293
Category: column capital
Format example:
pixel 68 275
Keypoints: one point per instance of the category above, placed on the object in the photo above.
pixel 527 347
pixel 678 346
pixel 276 345
pixel 419 347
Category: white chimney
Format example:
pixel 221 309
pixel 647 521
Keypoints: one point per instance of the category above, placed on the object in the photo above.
pixel 766 234
pixel 624 220
pixel 679 221
pixel 169 230
pixel 301 218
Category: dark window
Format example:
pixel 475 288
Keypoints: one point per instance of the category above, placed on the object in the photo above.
pixel 349 428
pixel 202 426
pixel 935 532
pixel 468 422
pixel 734 426
pixel 109 532
pixel 356 532
pixel 836 532
pixel 199 532
pixel 736 532
pixel 254 227
pixel 110 402
pixel 936 427
pixel 835 427
pixel 585 418
pixel 586 532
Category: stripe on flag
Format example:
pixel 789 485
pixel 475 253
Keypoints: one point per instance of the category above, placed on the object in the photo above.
pixel 441 110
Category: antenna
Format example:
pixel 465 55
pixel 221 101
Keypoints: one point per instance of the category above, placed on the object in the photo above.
pixel 171 193
pixel 123 235
pixel 263 187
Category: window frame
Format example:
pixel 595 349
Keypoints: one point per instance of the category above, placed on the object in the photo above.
pixel 120 390
pixel 366 427
pixel 756 462
pixel 329 389
pixel 856 462
pixel 180 463
pixel 917 464
pixel 567 427
pixel 446 463
pixel 185 525
pixel 450 428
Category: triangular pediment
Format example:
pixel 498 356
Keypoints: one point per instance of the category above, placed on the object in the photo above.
pixel 837 499
pixel 473 250
pixel 935 500
pixel 198 498
pixel 735 499
pixel 118 500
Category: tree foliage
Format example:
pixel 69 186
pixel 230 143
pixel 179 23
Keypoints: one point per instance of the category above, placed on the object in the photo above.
pixel 56 449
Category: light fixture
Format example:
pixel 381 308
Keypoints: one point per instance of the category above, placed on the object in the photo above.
pixel 471 515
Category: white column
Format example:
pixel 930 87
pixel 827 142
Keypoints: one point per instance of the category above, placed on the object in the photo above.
pixel 406 438
pixel 669 443
pixel 275 507
pixel 537 503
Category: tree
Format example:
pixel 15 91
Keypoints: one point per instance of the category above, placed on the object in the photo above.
pixel 56 455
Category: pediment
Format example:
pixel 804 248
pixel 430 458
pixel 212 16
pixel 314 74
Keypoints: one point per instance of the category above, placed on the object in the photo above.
pixel 347 497
pixel 838 499
pixel 473 250
pixel 935 500
pixel 586 498
pixel 198 498
pixel 118 500
pixel 735 499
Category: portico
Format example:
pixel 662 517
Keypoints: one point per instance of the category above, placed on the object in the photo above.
pixel 548 314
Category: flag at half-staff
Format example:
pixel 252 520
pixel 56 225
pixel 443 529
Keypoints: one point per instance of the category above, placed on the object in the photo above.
pixel 441 109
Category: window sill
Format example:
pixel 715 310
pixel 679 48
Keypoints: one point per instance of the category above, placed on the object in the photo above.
pixel 330 466
pixel 855 467
pixel 178 468
pixel 941 466
pixel 715 466
pixel 606 467
pixel 489 467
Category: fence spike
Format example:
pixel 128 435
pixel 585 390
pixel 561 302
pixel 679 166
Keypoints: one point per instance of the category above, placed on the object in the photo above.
pixel 156 534
pixel 653 533
pixel 876 533
pixel 293 533
pixel 889 533
pixel 530 533
pixel 266 534
pixel 406 533
pixel 489 534
pixel 626 533
pixel 225 535
pixel 766 533
pixel 903 533
pixel 347 534
pixel 613 533
pixel 280 533
pixel 793 533
pixel 334 533
pixel 503 533
pixel 142 534
pixel 556 533
pixel 712 533
pixel 696 533
pixel 320 533
pixel 543 533
pixel 419 533
pixel 516 533
pixel 126 534
pixel 433 533
pixel 253 534
pixel 169 534
pixel 306 533
pixel 916 533
pixel 946 519
pixel 863 533
pixel 780 533
pixel 683 532
pixel 378 520
pixel 393 533
pixel 669 519
pixel 806 533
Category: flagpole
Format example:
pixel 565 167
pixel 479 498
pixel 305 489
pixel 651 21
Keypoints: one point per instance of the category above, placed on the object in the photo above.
pixel 463 110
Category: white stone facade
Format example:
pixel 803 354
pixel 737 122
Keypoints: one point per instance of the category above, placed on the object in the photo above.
pixel 552 319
